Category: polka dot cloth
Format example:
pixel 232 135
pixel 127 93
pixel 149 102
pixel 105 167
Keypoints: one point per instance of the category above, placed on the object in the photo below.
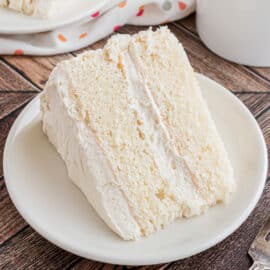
pixel 98 25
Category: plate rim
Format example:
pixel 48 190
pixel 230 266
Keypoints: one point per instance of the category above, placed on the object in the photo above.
pixel 141 261
pixel 51 26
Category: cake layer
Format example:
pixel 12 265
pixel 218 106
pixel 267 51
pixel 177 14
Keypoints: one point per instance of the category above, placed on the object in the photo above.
pixel 87 165
pixel 136 106
pixel 38 8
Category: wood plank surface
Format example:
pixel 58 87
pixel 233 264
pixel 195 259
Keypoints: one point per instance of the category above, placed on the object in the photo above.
pixel 20 80
pixel 10 80
pixel 189 23
pixel 257 103
pixel 5 125
pixel 13 100
pixel 35 69
pixel 11 222
pixel 28 250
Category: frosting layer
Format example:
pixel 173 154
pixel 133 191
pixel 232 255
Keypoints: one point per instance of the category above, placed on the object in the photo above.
pixel 136 134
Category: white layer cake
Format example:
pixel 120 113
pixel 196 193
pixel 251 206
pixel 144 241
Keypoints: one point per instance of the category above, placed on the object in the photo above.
pixel 135 133
pixel 37 8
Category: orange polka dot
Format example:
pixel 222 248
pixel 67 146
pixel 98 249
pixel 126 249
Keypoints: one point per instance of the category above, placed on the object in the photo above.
pixel 62 38
pixel 122 4
pixel 83 35
pixel 140 11
pixel 19 52
pixel 182 5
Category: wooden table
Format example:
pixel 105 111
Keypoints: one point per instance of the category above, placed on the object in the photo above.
pixel 22 78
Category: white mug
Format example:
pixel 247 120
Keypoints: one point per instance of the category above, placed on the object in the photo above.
pixel 238 30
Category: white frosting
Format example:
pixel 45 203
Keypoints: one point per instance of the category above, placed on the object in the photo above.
pixel 3 3
pixel 86 163
pixel 171 166
pixel 38 8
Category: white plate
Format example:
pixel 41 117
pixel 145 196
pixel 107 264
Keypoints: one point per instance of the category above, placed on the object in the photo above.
pixel 38 184
pixel 12 22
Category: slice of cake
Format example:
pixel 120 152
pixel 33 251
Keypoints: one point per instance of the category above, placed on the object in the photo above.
pixel 37 8
pixel 135 133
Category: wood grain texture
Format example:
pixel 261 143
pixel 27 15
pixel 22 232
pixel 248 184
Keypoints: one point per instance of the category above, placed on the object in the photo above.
pixel 5 125
pixel 10 222
pixel 12 80
pixel 154 267
pixel 36 69
pixel 189 23
pixel 12 100
pixel 263 72
pixel 257 103
pixel 84 264
pixel 28 250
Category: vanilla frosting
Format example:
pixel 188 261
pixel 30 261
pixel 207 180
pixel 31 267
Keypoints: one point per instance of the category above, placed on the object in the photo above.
pixel 171 166
pixel 37 8
pixel 131 209
pixel 86 163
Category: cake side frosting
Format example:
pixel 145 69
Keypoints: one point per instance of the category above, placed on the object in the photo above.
pixel 87 165
pixel 137 107
pixel 37 8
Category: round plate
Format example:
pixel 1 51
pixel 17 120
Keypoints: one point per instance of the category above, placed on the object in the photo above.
pixel 12 22
pixel 39 186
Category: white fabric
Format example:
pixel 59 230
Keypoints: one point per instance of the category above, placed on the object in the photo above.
pixel 114 15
